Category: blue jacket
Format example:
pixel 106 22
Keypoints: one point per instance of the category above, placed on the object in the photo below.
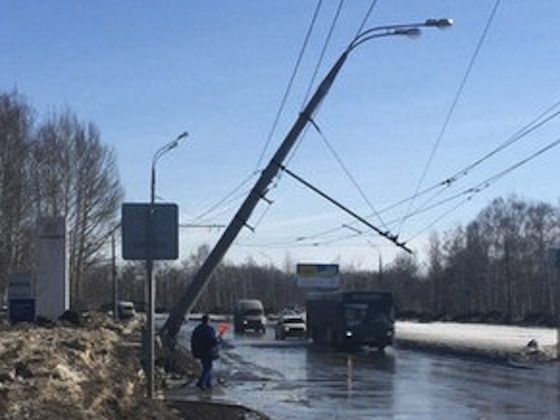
pixel 203 339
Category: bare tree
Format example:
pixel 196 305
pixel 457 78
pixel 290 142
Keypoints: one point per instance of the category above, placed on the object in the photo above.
pixel 76 177
pixel 16 121
pixel 404 277
pixel 496 266
pixel 435 275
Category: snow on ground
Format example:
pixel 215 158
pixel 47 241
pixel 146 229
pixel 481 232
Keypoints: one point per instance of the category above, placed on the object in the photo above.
pixel 480 339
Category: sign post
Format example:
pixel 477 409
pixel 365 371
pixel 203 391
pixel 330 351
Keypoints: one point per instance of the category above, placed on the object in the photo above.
pixel 150 231
pixel 136 241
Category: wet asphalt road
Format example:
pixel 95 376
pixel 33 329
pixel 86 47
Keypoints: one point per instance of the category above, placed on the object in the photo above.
pixel 293 380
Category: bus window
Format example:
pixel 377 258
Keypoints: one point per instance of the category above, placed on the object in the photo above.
pixel 355 313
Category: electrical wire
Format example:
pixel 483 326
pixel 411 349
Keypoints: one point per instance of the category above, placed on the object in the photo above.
pixel 287 91
pixel 323 52
pixel 277 117
pixel 227 199
pixel 290 83
pixel 312 81
pixel 538 122
pixel 366 17
pixel 452 108
pixel 313 77
pixel 347 172
pixel 535 124
pixel 489 181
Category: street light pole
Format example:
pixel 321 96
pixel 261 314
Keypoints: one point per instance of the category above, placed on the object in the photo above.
pixel 160 152
pixel 200 280
pixel 150 290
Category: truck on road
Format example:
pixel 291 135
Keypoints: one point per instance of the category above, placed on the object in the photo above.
pixel 346 319
pixel 249 315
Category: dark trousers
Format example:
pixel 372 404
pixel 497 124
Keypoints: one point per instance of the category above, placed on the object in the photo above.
pixel 205 379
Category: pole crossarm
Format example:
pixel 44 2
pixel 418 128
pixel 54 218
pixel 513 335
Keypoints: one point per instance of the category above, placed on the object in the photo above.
pixel 385 234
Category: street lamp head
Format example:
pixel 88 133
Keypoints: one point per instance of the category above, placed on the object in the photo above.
pixel 167 147
pixel 409 32
pixel 182 135
pixel 160 152
pixel 175 143
pixel 439 23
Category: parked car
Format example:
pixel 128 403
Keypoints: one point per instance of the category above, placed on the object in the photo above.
pixel 291 325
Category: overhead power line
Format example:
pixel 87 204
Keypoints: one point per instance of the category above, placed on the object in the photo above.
pixel 489 181
pixel 291 82
pixel 452 109
pixel 347 172
pixel 323 51
pixel 540 121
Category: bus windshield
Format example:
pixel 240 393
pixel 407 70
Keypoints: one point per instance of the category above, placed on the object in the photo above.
pixel 362 313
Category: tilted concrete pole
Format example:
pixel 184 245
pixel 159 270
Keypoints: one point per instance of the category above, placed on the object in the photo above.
pixel 171 327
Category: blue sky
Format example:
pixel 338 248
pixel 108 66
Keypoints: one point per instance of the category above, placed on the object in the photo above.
pixel 145 71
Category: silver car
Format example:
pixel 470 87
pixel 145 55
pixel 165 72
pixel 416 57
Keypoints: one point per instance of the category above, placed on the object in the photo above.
pixel 292 325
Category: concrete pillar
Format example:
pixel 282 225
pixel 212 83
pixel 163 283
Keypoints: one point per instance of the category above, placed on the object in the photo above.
pixel 52 295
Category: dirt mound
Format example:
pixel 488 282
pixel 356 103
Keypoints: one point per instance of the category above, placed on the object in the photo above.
pixel 62 370
pixel 89 369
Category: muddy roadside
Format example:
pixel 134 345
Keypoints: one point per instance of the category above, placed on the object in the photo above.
pixel 89 368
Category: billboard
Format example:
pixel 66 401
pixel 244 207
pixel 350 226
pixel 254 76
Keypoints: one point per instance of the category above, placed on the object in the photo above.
pixel 318 276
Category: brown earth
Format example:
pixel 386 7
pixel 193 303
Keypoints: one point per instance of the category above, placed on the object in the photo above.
pixel 91 371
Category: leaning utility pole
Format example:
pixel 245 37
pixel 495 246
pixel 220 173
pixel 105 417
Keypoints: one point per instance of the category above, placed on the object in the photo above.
pixel 186 302
pixel 188 299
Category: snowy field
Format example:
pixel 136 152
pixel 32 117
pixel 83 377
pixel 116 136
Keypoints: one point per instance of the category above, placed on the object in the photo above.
pixel 482 339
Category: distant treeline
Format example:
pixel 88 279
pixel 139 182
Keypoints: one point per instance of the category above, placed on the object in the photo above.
pixel 496 269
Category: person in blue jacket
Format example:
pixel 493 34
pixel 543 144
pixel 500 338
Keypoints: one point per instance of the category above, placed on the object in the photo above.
pixel 204 346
